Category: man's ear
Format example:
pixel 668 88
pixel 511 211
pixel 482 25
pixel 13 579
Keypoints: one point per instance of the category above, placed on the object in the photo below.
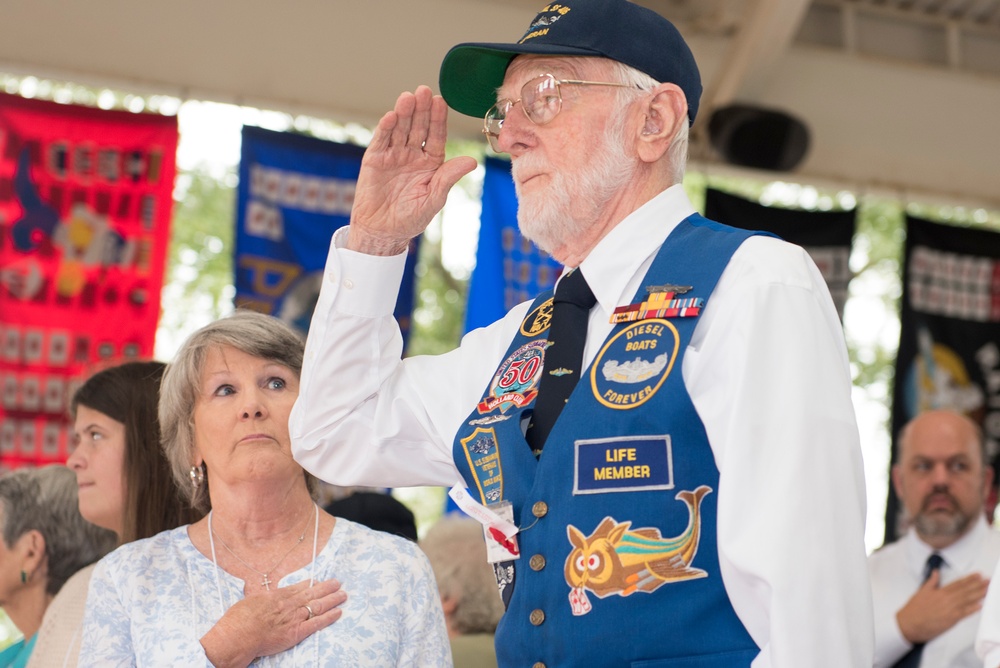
pixel 664 109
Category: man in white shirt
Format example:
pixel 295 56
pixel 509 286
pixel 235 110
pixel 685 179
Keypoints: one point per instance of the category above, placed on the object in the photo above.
pixel 700 497
pixel 928 616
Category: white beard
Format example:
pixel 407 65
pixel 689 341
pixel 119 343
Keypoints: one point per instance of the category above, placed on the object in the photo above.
pixel 573 202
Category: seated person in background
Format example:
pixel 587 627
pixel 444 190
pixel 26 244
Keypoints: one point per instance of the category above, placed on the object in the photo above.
pixel 929 585
pixel 254 577
pixel 45 541
pixel 469 596
pixel 376 510
pixel 124 481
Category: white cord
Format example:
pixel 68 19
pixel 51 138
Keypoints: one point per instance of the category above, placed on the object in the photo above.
pixel 218 580
pixel 312 579
pixel 312 571
pixel 312 566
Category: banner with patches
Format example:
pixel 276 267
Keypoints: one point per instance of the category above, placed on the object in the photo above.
pixel 85 202
pixel 509 268
pixel 294 192
pixel 825 235
pixel 949 345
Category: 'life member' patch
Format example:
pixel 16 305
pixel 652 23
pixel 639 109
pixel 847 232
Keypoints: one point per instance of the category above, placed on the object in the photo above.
pixel 632 366
pixel 623 464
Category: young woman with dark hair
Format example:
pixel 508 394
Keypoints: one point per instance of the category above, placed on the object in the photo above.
pixel 124 484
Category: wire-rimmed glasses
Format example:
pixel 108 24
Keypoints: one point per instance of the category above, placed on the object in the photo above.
pixel 541 101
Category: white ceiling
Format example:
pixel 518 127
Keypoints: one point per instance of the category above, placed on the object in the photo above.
pixel 898 94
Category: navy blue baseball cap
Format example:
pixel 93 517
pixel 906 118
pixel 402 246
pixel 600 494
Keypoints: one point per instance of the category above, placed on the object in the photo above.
pixel 615 29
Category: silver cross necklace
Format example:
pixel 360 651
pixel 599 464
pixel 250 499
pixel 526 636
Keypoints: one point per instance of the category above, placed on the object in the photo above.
pixel 266 581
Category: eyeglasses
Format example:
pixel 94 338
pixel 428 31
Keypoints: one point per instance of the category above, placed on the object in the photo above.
pixel 541 101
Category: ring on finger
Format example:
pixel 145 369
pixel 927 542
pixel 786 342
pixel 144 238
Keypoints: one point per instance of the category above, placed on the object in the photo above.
pixel 310 611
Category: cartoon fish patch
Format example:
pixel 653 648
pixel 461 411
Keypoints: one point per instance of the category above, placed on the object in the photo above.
pixel 617 560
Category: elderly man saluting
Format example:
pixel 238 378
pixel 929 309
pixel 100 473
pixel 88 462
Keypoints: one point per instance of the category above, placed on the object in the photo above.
pixel 664 452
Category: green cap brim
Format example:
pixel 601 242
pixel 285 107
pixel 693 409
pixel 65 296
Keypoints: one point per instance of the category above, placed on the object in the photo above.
pixel 471 73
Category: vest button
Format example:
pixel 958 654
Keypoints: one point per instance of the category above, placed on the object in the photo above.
pixel 538 664
pixel 537 562
pixel 540 509
pixel 536 617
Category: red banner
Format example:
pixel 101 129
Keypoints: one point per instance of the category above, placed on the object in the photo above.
pixel 85 201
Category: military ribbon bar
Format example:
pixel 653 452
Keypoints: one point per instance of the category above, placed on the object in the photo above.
pixel 659 305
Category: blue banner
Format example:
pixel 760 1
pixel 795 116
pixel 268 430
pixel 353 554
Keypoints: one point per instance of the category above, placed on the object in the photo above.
pixel 294 192
pixel 509 268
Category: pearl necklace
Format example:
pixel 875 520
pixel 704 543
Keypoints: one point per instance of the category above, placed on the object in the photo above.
pixel 266 581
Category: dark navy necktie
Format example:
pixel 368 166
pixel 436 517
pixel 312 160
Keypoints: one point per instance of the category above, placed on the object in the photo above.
pixel 564 356
pixel 912 658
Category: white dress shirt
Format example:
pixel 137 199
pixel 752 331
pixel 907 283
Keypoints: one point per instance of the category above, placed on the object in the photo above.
pixel 897 572
pixel 766 369
pixel 988 636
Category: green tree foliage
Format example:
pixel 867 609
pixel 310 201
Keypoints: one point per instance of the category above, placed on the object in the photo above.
pixel 439 307
pixel 198 286
pixel 441 293
pixel 877 258
pixel 202 237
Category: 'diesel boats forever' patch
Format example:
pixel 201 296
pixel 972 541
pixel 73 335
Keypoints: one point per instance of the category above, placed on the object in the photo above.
pixel 633 364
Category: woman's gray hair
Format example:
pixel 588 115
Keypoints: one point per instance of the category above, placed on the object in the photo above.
pixel 249 332
pixel 455 548
pixel 636 80
pixel 44 500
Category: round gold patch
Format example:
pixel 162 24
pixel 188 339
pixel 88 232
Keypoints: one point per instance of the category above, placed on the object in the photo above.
pixel 633 364
pixel 538 320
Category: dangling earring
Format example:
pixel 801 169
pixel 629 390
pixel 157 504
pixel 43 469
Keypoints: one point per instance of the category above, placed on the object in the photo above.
pixel 24 577
pixel 197 474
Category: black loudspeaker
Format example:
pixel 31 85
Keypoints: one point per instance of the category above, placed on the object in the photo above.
pixel 759 138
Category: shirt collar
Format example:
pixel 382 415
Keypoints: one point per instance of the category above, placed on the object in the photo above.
pixel 613 262
pixel 959 557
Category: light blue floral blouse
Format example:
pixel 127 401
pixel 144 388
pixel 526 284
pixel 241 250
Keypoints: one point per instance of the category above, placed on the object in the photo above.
pixel 151 601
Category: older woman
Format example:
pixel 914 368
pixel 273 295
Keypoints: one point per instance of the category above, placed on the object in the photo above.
pixel 124 482
pixel 44 541
pixel 472 606
pixel 254 578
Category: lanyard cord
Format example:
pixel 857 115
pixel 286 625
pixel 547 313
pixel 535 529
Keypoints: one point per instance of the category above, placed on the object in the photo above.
pixel 312 572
